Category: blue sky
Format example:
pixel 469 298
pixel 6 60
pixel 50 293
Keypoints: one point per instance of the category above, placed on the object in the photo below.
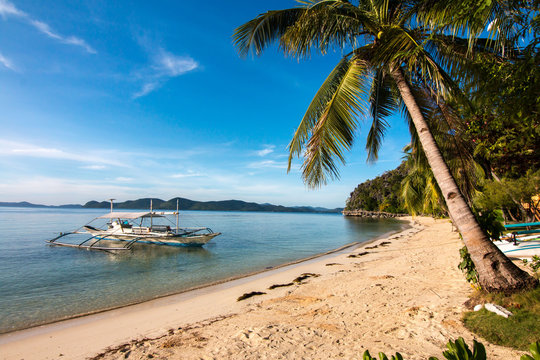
pixel 108 99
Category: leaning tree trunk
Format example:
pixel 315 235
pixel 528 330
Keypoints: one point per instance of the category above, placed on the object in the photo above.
pixel 495 271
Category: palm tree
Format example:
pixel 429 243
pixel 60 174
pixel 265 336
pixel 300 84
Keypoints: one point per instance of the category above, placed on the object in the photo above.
pixel 391 60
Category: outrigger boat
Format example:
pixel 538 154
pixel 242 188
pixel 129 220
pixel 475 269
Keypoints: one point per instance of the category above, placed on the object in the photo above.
pixel 519 249
pixel 522 242
pixel 137 227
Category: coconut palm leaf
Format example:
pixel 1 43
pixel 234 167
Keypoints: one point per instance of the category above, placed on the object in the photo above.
pixel 330 122
pixel 383 104
pixel 323 24
pixel 258 33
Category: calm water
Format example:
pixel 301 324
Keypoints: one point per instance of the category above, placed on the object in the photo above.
pixel 40 283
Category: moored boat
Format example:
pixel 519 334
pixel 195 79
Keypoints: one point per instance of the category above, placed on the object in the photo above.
pixel 156 228
pixel 519 249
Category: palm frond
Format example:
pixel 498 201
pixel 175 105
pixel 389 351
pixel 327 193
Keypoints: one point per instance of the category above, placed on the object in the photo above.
pixel 383 104
pixel 401 46
pixel 325 24
pixel 501 19
pixel 330 122
pixel 258 33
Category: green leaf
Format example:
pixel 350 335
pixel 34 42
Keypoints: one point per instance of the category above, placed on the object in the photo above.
pixel 330 122
pixel 367 356
pixel 535 350
pixel 479 351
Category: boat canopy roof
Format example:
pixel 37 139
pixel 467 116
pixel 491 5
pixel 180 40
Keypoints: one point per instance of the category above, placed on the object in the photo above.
pixel 133 215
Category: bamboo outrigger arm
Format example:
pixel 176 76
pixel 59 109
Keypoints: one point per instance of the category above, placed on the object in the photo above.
pixel 92 246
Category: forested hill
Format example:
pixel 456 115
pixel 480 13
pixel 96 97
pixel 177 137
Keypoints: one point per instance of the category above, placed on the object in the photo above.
pixel 186 204
pixel 379 194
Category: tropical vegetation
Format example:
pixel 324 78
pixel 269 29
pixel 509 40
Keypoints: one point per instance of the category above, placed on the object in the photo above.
pixel 399 56
pixel 380 193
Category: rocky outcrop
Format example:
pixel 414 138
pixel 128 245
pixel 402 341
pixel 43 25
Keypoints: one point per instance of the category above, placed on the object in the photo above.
pixel 372 214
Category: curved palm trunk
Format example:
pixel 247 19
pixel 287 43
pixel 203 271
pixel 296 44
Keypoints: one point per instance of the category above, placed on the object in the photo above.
pixel 496 272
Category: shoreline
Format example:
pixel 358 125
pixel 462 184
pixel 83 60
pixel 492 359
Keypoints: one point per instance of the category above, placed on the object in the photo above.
pixel 407 224
pixel 27 334
pixel 402 292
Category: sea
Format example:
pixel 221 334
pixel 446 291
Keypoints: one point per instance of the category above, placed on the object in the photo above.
pixel 40 283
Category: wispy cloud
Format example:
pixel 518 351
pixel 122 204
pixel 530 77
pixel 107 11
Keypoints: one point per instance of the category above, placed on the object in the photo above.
pixel 6 63
pixel 165 66
pixel 174 65
pixel 268 149
pixel 146 89
pixel 188 174
pixel 94 167
pixel 267 164
pixel 8 9
pixel 11 148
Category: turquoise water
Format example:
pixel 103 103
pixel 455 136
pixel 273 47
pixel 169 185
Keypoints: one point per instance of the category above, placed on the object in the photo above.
pixel 40 283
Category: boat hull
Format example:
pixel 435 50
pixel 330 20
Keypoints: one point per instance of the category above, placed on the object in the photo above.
pixel 168 239
pixel 520 250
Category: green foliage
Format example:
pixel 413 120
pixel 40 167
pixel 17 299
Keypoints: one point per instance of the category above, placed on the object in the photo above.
pixel 516 331
pixel 467 266
pixel 419 192
pixel 535 352
pixel 534 264
pixel 458 350
pixel 509 194
pixel 379 194
pixel 491 221
pixel 382 356
pixel 381 42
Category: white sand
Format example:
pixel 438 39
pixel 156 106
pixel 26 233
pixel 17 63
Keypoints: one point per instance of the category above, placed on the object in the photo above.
pixel 406 296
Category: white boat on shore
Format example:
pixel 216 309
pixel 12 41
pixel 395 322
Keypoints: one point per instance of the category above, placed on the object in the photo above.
pixel 149 227
pixel 519 249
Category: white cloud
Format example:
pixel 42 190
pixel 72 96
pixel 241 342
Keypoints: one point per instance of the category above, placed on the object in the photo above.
pixel 146 89
pixel 267 164
pixel 56 191
pixel 165 66
pixel 176 65
pixel 188 174
pixel 94 167
pixel 6 62
pixel 8 9
pixel 11 148
pixel 71 40
pixel 268 149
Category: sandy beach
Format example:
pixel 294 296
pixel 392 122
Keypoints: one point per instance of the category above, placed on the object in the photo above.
pixel 402 293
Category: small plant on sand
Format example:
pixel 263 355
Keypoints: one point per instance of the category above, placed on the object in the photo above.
pixel 467 266
pixel 382 356
pixel 458 350
pixel 534 264
pixel 535 352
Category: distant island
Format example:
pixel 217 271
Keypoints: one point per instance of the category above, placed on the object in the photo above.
pixel 184 204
